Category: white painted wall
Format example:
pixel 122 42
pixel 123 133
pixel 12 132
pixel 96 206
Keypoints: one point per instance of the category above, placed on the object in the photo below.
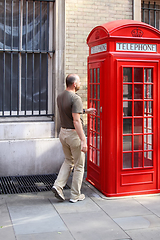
pixel 29 149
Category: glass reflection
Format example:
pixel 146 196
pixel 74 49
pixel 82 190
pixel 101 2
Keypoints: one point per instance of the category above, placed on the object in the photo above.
pixel 91 76
pixel 138 156
pixel 95 92
pixel 138 142
pixel 91 91
pixel 127 160
pixel 98 158
pixel 127 126
pixel 138 108
pixel 98 126
pixel 127 108
pixel 148 159
pixel 127 143
pixel 138 125
pixel 148 108
pixel 148 127
pixel 127 74
pixel 127 91
pixel 98 75
pixel 138 91
pixel 138 74
pixel 94 75
pixel 98 91
pixel 147 91
pixel 148 75
pixel 148 142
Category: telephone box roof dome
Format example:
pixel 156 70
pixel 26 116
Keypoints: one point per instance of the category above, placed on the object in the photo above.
pixel 123 28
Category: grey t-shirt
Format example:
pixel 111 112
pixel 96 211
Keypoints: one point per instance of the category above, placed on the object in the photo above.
pixel 68 103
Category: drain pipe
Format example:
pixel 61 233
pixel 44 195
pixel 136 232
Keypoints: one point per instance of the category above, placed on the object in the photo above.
pixel 136 10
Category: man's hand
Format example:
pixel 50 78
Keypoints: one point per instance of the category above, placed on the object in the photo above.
pixel 84 147
pixel 91 111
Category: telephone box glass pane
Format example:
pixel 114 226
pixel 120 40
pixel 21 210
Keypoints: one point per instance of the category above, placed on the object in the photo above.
pixel 127 143
pixel 98 141
pixel 138 91
pixel 127 108
pixel 138 108
pixel 98 158
pixel 95 92
pixel 94 75
pixel 127 74
pixel 148 142
pixel 148 127
pixel 127 126
pixel 95 121
pixel 148 108
pixel 91 91
pixel 148 159
pixel 138 142
pixel 148 91
pixel 98 129
pixel 148 75
pixel 91 76
pixel 127 160
pixel 138 125
pixel 98 108
pixel 98 91
pixel 127 91
pixel 138 75
pixel 138 156
pixel 98 76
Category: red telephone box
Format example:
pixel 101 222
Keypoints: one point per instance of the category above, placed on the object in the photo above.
pixel 124 87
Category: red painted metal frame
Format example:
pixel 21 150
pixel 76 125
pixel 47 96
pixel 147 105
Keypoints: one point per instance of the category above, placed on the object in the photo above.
pixel 108 175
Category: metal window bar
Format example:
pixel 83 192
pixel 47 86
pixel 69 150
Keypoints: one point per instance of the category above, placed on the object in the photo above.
pixel 7 110
pixel 149 9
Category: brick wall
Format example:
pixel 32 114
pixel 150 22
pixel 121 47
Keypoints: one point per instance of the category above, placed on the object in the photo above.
pixel 81 17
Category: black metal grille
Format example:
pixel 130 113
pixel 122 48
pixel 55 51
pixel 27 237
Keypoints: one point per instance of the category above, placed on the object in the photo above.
pixel 151 13
pixel 26 184
pixel 25 58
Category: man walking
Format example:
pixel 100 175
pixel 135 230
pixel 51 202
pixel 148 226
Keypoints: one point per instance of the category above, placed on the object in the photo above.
pixel 72 138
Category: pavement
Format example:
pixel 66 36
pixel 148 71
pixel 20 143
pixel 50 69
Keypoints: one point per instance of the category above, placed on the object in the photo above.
pixel 40 216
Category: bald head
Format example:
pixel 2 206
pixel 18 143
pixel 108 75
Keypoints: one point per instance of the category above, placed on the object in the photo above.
pixel 70 79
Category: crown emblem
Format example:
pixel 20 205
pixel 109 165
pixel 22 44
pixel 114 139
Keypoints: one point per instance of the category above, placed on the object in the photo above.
pixel 137 32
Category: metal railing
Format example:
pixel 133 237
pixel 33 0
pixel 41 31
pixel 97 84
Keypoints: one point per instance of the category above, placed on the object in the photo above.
pixel 151 13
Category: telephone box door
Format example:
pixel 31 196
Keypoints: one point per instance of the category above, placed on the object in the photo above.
pixel 137 156
pixel 94 124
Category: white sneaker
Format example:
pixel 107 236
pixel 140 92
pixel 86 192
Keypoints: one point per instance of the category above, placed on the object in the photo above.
pixel 58 193
pixel 80 198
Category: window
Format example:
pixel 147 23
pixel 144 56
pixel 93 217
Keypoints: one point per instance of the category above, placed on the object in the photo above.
pixel 26 57
pixel 151 13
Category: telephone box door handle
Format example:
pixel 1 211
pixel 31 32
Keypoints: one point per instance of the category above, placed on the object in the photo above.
pixel 101 109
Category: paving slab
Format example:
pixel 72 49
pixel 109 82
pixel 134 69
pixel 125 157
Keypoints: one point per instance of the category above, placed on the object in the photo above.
pixel 92 226
pixel 31 216
pixel 122 207
pixel 152 203
pixel 6 228
pixel 47 236
pixel 80 207
pixel 144 234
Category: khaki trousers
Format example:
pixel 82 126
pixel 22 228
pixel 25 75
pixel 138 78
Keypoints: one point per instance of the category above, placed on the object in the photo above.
pixel 74 157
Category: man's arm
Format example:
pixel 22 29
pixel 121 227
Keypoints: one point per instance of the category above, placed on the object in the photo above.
pixel 79 129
